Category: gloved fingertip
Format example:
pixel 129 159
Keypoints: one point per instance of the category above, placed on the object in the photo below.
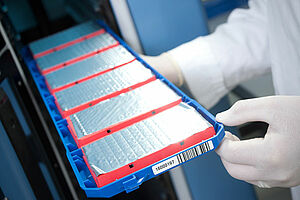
pixel 226 117
pixel 222 145
pixel 221 117
pixel 230 136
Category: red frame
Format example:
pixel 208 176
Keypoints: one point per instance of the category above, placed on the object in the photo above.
pixel 109 177
pixel 83 141
pixel 94 102
pixel 62 46
pixel 74 60
pixel 84 79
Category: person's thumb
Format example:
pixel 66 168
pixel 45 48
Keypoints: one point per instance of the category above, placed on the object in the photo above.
pixel 238 151
pixel 258 109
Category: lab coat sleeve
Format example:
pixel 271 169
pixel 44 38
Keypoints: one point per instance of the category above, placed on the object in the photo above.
pixel 235 52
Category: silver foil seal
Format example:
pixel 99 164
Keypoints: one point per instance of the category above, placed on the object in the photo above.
pixel 143 138
pixel 102 85
pixel 75 51
pixel 139 101
pixel 64 37
pixel 89 66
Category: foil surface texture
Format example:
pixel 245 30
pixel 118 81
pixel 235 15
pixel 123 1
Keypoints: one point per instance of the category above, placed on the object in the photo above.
pixel 154 95
pixel 144 138
pixel 64 37
pixel 76 50
pixel 103 85
pixel 87 67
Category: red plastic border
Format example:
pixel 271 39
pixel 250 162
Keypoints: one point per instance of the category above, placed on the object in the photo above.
pixel 83 141
pixel 93 102
pixel 153 158
pixel 77 59
pixel 67 44
pixel 52 91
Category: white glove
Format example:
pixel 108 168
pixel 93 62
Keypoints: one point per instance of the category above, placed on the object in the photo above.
pixel 167 66
pixel 272 161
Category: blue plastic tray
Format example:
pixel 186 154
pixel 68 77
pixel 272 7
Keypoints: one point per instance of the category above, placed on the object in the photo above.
pixel 75 155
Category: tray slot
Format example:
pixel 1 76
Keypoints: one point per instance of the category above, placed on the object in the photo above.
pixel 103 87
pixel 125 147
pixel 88 68
pixel 119 112
pixel 75 53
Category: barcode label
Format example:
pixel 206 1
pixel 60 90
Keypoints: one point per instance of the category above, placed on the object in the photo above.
pixel 182 157
pixel 196 151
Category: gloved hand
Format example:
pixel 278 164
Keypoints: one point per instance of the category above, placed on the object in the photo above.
pixel 167 66
pixel 272 161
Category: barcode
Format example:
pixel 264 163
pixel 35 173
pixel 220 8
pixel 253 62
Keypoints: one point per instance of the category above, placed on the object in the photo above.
pixel 194 152
pixel 182 157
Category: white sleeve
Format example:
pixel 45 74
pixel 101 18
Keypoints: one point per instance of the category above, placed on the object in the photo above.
pixel 235 52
